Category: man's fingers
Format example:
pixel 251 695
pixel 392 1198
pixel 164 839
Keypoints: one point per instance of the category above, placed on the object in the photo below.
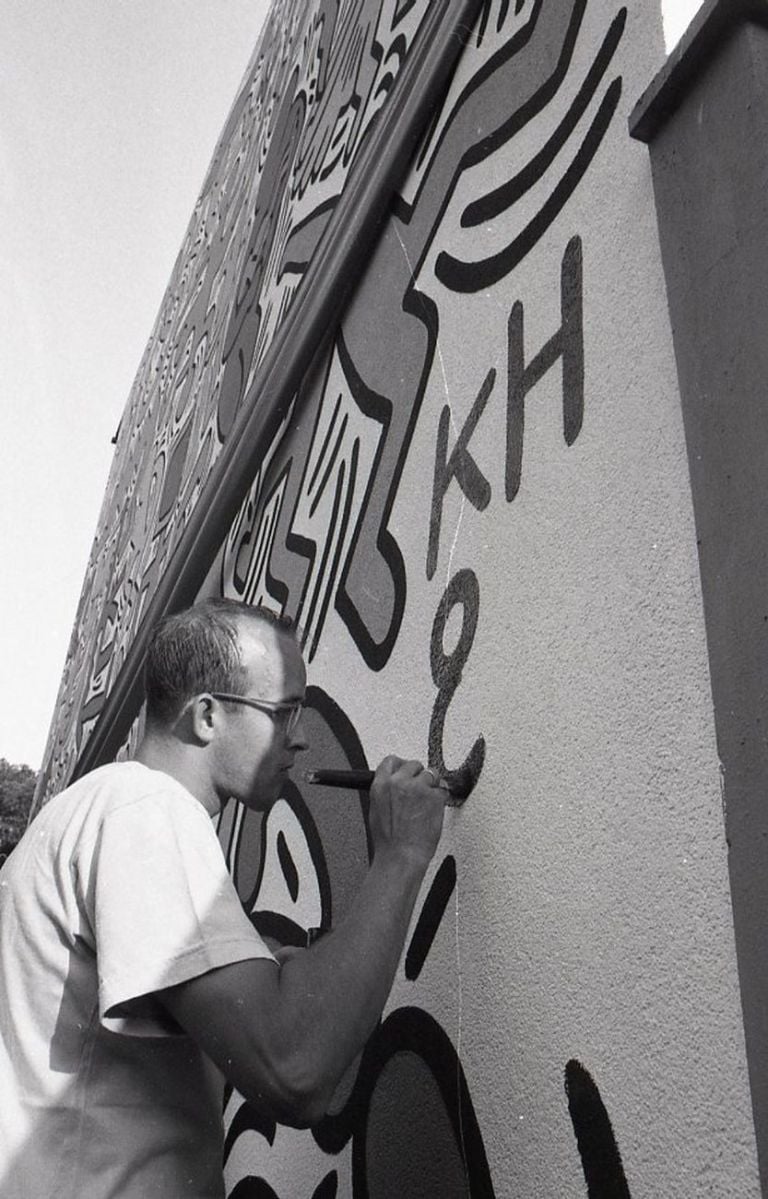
pixel 390 764
pixel 409 768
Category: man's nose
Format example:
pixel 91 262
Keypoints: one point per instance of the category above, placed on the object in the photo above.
pixel 299 739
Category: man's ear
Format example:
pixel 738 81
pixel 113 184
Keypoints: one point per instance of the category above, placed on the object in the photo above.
pixel 202 717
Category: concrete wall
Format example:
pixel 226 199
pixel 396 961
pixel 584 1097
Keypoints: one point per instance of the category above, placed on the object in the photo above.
pixel 705 107
pixel 478 508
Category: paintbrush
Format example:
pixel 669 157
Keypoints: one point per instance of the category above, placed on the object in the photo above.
pixel 456 783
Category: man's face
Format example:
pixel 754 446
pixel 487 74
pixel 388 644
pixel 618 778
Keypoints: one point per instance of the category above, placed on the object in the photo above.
pixel 254 751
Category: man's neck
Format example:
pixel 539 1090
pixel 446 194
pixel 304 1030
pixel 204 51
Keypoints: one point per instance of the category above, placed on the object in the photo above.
pixel 166 753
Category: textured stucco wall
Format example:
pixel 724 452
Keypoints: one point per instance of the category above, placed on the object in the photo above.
pixel 480 514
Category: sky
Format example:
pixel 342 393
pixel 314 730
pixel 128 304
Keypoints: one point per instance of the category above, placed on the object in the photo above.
pixel 109 114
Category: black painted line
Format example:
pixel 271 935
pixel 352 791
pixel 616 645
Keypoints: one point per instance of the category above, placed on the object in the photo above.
pixel 330 532
pixel 342 533
pixel 431 914
pixel 330 465
pixel 503 197
pixel 470 277
pixel 287 865
pixel 248 1119
pixel 600 1157
pixel 326 441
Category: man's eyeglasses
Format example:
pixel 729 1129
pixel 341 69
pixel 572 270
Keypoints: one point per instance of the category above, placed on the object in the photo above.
pixel 290 711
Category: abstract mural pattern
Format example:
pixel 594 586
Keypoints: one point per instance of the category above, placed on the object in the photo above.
pixel 319 77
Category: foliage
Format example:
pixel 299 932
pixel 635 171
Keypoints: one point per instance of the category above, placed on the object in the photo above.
pixel 17 788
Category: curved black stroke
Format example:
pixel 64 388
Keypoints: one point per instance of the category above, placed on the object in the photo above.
pixel 410 1030
pixel 492 140
pixel 347 737
pixel 253 1188
pixel 247 1119
pixel 293 797
pixel 430 916
pixel 339 536
pixel 327 1188
pixel 326 460
pixel 600 1157
pixel 447 669
pixel 503 197
pixel 469 277
pixel 288 866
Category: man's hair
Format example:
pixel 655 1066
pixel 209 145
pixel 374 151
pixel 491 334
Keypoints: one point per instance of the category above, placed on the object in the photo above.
pixel 199 650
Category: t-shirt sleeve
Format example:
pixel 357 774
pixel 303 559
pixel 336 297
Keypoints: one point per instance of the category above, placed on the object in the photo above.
pixel 165 907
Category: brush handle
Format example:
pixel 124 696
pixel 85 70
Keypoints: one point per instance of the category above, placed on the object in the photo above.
pixel 356 780
pixel 455 787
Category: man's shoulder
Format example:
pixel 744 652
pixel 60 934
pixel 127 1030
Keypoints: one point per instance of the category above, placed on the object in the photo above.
pixel 120 784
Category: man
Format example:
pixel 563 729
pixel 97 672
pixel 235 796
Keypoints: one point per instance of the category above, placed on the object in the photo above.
pixel 131 979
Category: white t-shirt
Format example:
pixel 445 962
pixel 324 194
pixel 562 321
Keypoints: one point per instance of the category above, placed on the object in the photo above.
pixel 118 888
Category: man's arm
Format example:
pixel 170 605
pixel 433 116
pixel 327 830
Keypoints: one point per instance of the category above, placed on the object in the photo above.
pixel 284 1035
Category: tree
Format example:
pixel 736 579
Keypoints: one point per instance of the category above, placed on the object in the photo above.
pixel 17 788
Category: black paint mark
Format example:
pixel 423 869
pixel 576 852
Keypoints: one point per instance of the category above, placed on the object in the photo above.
pixel 277 927
pixel 252 539
pixel 253 1188
pixel 248 1119
pixel 321 457
pixel 567 343
pixel 329 465
pixel 447 669
pixel 483 25
pixel 470 277
pixel 503 197
pixel 328 1187
pixel 340 538
pixel 460 465
pixel 288 866
pixel 600 1157
pixel 429 919
pixel 251 853
pixel 425 1076
pixel 448 1152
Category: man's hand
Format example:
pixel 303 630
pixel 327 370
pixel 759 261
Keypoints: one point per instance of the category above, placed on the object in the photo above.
pixel 406 810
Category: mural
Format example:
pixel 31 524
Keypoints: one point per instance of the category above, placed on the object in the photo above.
pixel 511 83
pixel 313 534
pixel 319 77
pixel 477 512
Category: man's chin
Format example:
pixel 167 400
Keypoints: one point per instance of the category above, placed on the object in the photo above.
pixel 265 795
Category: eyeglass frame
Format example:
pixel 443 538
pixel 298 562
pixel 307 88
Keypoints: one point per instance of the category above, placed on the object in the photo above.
pixel 294 708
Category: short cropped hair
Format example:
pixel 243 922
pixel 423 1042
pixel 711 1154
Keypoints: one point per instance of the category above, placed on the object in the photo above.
pixel 199 650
